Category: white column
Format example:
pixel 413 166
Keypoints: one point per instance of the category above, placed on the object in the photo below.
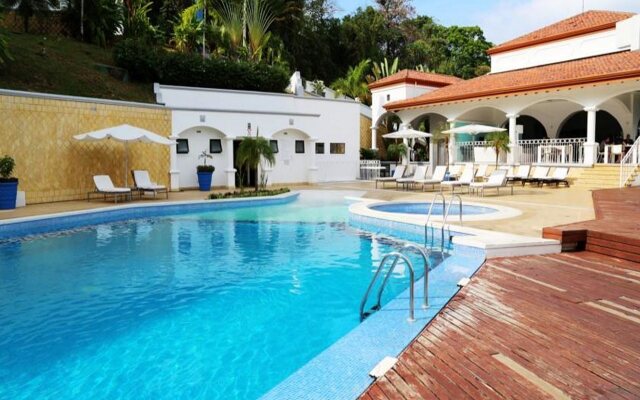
pixel 591 146
pixel 512 157
pixel 452 142
pixel 229 171
pixel 374 138
pixel 174 173
pixel 313 167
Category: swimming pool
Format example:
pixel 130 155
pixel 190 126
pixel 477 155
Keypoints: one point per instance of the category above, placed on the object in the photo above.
pixel 423 209
pixel 214 305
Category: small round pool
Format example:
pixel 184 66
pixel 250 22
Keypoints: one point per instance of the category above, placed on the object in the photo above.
pixel 423 208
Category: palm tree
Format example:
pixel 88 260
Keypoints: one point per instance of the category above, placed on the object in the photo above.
pixel 232 18
pixel 500 142
pixel 250 153
pixel 383 69
pixel 259 19
pixel 354 84
pixel 397 150
pixel 28 8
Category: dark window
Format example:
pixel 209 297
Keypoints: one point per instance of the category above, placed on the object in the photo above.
pixel 215 146
pixel 274 146
pixel 182 146
pixel 388 97
pixel 299 146
pixel 319 148
pixel 336 148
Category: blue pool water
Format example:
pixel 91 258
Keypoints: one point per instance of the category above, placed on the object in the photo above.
pixel 423 209
pixel 217 305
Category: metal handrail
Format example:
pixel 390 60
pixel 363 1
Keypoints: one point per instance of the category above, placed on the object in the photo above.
pixel 629 162
pixel 396 257
pixel 426 224
pixel 427 268
pixel 446 215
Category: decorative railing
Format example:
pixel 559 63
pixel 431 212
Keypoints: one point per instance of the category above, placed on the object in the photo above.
pixel 629 163
pixel 370 169
pixel 551 151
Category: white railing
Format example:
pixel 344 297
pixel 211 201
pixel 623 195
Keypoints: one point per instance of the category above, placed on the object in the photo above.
pixel 551 151
pixel 629 163
pixel 370 169
pixel 480 152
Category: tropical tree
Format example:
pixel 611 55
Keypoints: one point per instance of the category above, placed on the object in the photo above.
pixel 251 152
pixel 354 84
pixel 500 142
pixel 5 55
pixel 382 70
pixel 101 20
pixel 28 8
pixel 397 150
pixel 136 20
pixel 231 16
pixel 259 19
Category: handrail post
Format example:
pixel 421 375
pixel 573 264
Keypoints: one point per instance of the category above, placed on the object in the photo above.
pixel 425 258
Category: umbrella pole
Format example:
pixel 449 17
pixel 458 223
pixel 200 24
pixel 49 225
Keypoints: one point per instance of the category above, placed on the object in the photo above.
pixel 126 164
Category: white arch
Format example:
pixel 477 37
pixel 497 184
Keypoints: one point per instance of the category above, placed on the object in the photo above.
pixel 292 130
pixel 196 128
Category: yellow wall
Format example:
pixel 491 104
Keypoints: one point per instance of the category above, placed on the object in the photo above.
pixel 51 166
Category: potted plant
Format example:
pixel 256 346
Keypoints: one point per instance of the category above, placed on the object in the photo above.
pixel 205 173
pixel 8 184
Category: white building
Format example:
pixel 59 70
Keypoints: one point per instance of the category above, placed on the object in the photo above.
pixel 316 139
pixel 559 91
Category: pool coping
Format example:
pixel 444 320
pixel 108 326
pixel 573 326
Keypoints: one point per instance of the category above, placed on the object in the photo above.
pixel 494 243
pixel 46 223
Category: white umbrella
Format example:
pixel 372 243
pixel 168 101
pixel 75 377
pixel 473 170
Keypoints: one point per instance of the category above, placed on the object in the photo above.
pixel 124 133
pixel 407 133
pixel 474 129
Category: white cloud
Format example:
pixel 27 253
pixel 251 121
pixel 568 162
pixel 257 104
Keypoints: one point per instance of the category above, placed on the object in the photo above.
pixel 507 19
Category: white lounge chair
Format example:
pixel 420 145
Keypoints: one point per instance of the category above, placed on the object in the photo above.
pixel 559 176
pixel 144 184
pixel 104 186
pixel 436 179
pixel 521 174
pixel 538 173
pixel 455 170
pixel 397 174
pixel 465 179
pixel 481 172
pixel 419 174
pixel 497 180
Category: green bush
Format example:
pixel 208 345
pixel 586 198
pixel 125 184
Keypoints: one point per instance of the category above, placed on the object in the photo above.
pixel 251 193
pixel 151 64
pixel 205 168
pixel 369 154
pixel 7 164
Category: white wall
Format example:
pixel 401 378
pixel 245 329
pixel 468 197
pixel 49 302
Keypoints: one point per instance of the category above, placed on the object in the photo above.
pixel 396 92
pixel 199 141
pixel 626 36
pixel 291 167
pixel 229 112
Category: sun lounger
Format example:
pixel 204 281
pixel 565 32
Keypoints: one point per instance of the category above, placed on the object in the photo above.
pixel 465 179
pixel 497 180
pixel 104 187
pixel 419 174
pixel 455 170
pixel 144 184
pixel 538 173
pixel 481 172
pixel 559 176
pixel 436 178
pixel 397 174
pixel 521 174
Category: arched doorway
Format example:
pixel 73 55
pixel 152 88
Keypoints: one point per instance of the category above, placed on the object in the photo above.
pixel 191 143
pixel 575 126
pixel 531 127
pixel 292 149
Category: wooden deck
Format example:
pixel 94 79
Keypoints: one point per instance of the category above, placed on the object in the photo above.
pixel 538 327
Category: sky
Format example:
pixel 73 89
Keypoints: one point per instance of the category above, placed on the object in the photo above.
pixel 501 20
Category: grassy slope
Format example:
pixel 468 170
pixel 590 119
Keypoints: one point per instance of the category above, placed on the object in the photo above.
pixel 66 68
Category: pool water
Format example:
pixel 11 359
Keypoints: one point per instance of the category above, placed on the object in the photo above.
pixel 217 305
pixel 423 209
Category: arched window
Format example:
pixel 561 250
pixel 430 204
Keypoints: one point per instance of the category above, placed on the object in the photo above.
pixel 531 127
pixel 575 126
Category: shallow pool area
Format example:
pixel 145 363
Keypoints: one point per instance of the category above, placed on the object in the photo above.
pixel 221 304
pixel 438 210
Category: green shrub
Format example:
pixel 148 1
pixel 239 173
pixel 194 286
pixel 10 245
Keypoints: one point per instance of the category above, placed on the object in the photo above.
pixel 205 168
pixel 368 154
pixel 152 64
pixel 260 193
pixel 7 164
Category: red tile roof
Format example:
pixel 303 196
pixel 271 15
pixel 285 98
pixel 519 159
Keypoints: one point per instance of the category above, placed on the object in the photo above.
pixel 581 24
pixel 604 68
pixel 412 76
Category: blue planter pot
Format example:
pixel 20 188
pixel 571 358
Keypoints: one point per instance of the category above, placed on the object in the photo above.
pixel 8 193
pixel 204 181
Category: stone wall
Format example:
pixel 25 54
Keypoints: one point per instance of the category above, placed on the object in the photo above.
pixel 37 131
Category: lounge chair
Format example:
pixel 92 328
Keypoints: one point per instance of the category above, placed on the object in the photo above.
pixel 481 172
pixel 465 179
pixel 419 174
pixel 521 174
pixel 397 174
pixel 436 179
pixel 497 180
pixel 455 170
pixel 104 187
pixel 143 184
pixel 559 176
pixel 538 173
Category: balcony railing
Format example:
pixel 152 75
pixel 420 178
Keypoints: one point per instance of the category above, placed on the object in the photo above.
pixel 551 151
pixel 629 163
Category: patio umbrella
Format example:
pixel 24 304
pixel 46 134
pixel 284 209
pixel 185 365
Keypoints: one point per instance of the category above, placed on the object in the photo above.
pixel 407 133
pixel 124 133
pixel 474 129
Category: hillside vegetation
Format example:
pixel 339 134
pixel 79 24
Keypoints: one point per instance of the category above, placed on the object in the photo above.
pixel 65 66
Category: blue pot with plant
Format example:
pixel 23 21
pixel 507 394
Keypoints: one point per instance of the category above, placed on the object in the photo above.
pixel 8 184
pixel 205 173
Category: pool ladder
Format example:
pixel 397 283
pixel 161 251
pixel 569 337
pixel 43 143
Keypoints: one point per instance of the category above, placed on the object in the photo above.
pixel 444 218
pixel 396 257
